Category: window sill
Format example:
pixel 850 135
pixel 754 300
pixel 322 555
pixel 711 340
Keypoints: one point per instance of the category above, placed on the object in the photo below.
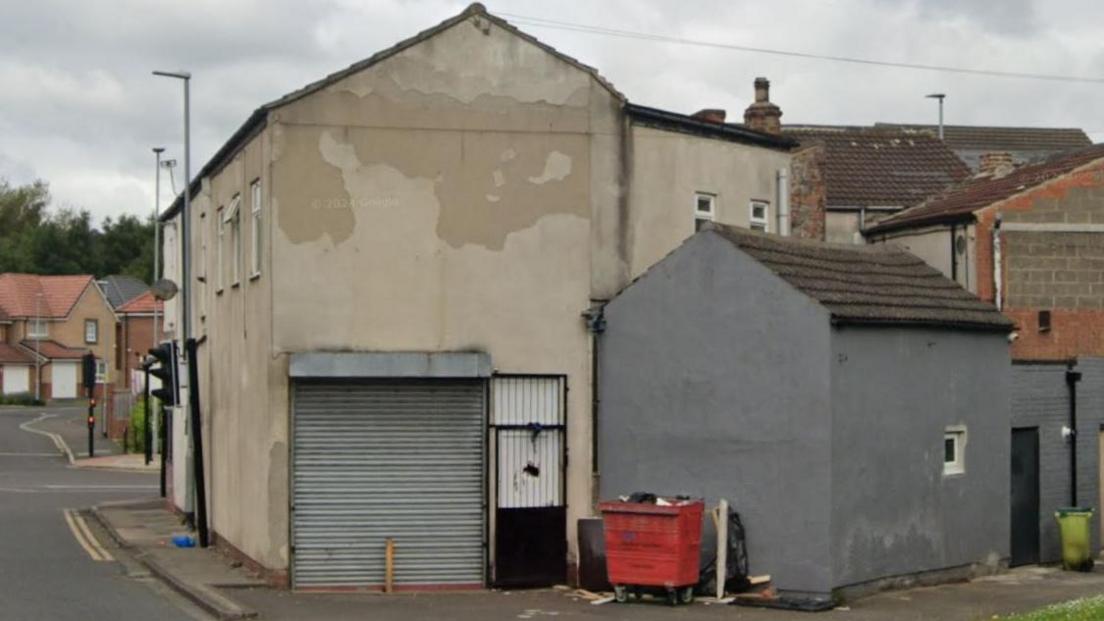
pixel 254 276
pixel 218 291
pixel 235 285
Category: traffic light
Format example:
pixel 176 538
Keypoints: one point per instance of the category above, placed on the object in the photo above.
pixel 88 371
pixel 163 367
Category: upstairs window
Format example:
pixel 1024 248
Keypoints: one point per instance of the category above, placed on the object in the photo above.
pixel 37 329
pixel 705 209
pixel 255 229
pixel 91 331
pixel 220 243
pixel 233 218
pixel 757 216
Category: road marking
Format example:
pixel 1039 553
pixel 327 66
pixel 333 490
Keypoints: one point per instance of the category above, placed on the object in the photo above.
pixel 84 537
pixel 59 442
pixel 52 486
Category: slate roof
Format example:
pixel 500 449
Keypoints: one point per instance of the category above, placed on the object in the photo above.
pixel 960 202
pixel 144 303
pixel 877 284
pixel 119 289
pixel 12 354
pixel 19 294
pixel 874 167
pixel 665 119
pixel 1027 144
pixel 51 349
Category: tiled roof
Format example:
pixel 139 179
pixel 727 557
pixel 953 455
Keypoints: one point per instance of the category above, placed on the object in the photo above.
pixel 879 284
pixel 119 289
pixel 13 354
pixel 664 119
pixel 868 167
pixel 19 294
pixel 959 203
pixel 144 303
pixel 53 350
pixel 983 138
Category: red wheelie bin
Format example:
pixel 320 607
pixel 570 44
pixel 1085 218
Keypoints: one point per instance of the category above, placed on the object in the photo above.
pixel 653 547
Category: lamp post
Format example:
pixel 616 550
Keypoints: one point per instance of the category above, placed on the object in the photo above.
pixel 185 229
pixel 940 97
pixel 156 233
pixel 38 338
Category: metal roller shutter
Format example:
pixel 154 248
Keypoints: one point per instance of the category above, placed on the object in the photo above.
pixel 379 459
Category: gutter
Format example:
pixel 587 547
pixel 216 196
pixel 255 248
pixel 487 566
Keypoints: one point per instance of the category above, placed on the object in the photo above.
pixel 1072 378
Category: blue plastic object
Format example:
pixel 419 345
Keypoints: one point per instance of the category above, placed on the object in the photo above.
pixel 183 541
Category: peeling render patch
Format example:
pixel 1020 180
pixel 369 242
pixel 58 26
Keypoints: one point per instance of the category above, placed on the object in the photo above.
pixel 556 168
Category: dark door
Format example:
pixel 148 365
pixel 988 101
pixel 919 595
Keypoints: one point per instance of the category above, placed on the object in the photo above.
pixel 530 541
pixel 1025 496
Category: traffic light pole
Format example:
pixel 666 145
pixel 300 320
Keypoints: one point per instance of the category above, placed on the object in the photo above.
pixel 197 442
pixel 91 421
pixel 147 435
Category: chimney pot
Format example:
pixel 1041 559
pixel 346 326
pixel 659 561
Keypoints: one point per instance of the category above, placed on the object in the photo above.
pixel 762 115
pixel 711 115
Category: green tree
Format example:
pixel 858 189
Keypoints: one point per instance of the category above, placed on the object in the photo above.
pixel 22 209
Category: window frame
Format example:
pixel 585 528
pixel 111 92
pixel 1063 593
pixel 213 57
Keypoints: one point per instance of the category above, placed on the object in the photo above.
pixel 233 218
pixel 255 216
pixel 704 216
pixel 101 370
pixel 34 323
pixel 95 325
pixel 759 224
pixel 957 435
pixel 220 254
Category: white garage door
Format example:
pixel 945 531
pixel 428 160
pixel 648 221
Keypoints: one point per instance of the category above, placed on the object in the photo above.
pixel 17 379
pixel 64 380
pixel 388 459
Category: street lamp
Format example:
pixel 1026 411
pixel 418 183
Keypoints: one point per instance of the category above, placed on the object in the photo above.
pixel 940 97
pixel 38 339
pixel 185 238
pixel 157 151
pixel 169 165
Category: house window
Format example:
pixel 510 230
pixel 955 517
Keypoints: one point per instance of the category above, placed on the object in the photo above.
pixel 220 243
pixel 954 450
pixel 232 217
pixel 37 329
pixel 255 229
pixel 705 209
pixel 91 331
pixel 757 217
pixel 101 371
pixel 201 260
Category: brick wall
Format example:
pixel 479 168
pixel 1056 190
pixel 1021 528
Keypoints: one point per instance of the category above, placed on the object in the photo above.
pixel 1062 272
pixel 1040 399
pixel 808 193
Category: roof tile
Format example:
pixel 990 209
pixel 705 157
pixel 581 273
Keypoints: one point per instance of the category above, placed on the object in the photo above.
pixel 19 294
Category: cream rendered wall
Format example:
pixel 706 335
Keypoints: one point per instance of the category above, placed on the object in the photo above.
pixel 932 244
pixel 441 200
pixel 669 167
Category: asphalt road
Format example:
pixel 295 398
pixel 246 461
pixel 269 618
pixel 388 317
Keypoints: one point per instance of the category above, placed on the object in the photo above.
pixel 46 572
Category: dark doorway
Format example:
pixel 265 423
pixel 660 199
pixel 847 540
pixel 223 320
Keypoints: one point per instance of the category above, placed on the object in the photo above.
pixel 1025 497
pixel 528 415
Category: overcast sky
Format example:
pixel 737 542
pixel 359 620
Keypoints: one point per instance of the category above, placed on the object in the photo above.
pixel 79 108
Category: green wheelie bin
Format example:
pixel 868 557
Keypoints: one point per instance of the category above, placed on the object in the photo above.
pixel 1074 525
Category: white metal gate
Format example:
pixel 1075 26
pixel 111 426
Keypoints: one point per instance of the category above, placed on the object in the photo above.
pixel 395 459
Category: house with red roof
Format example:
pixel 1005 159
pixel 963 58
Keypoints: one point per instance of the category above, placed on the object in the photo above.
pixel 1029 239
pixel 47 324
pixel 138 330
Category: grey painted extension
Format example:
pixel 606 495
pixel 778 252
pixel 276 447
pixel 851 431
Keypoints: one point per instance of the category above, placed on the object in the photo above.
pixel 790 378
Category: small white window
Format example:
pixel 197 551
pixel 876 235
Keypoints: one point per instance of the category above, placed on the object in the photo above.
pixel 705 209
pixel 91 331
pixel 220 243
pixel 37 329
pixel 757 216
pixel 954 450
pixel 233 218
pixel 101 370
pixel 255 229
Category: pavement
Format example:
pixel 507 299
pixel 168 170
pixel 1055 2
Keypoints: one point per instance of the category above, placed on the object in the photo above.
pixel 55 562
pixel 227 592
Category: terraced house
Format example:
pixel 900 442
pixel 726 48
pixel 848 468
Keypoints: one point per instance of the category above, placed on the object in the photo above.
pixel 396 275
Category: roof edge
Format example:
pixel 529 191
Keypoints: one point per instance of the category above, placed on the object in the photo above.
pixel 665 119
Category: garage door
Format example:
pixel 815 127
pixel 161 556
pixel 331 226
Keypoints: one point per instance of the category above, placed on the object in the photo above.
pixel 64 378
pixel 17 379
pixel 378 460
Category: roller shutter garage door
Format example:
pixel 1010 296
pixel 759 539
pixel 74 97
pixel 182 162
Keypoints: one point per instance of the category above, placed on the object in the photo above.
pixel 374 460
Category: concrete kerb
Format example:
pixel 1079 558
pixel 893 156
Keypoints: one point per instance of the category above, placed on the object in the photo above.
pixel 59 442
pixel 206 598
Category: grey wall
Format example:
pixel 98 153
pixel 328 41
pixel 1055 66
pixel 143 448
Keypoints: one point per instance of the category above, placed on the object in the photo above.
pixel 714 383
pixel 894 392
pixel 1040 399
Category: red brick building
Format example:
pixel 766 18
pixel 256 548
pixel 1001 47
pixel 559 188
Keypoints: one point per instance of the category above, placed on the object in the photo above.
pixel 136 334
pixel 1042 225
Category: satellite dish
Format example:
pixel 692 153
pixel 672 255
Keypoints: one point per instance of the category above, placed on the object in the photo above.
pixel 164 289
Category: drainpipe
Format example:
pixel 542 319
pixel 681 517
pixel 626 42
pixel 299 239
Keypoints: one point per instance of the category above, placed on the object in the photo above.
pixel 954 256
pixel 1072 377
pixel 596 325
pixel 997 263
pixel 783 202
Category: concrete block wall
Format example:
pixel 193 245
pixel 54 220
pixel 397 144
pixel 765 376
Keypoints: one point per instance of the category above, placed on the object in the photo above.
pixel 1040 399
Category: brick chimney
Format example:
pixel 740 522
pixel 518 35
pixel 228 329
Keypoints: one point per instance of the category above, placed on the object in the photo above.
pixel 995 164
pixel 762 115
pixel 711 115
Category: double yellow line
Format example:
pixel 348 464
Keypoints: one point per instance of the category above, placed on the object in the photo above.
pixel 84 537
